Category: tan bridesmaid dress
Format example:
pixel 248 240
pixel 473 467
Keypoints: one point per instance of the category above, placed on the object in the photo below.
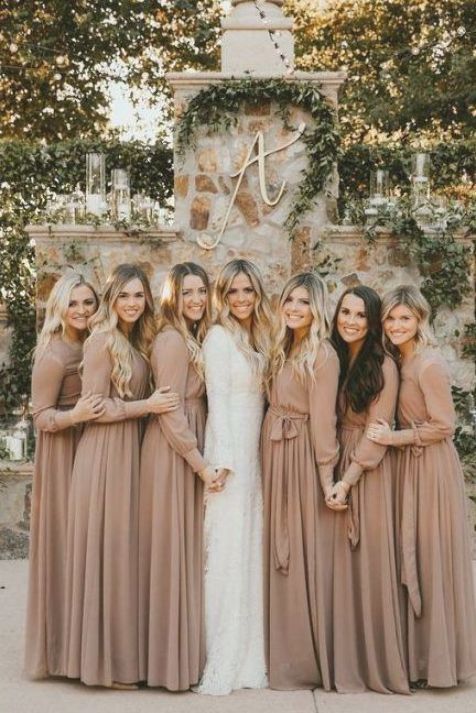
pixel 56 387
pixel 102 567
pixel 368 631
pixel 299 452
pixel 435 548
pixel 171 634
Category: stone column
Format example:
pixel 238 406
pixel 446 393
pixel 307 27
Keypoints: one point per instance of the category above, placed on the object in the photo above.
pixel 203 184
pixel 246 43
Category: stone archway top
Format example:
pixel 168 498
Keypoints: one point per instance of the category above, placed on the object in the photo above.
pixel 244 16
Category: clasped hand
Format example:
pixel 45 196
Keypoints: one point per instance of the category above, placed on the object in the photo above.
pixel 214 479
pixel 336 496
pixel 380 432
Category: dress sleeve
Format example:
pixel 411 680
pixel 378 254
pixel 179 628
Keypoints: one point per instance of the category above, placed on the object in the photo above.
pixel 367 454
pixel 96 378
pixel 46 382
pixel 322 409
pixel 170 365
pixel 217 355
pixel 435 385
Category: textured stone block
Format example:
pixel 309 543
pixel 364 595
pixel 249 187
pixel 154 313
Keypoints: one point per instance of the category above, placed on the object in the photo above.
pixel 200 213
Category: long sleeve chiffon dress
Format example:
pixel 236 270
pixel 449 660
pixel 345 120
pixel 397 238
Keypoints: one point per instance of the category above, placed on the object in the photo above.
pixel 368 632
pixel 171 626
pixel 299 452
pixel 434 535
pixel 233 521
pixel 56 387
pixel 102 549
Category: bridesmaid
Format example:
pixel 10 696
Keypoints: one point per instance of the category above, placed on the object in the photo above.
pixel 173 472
pixel 436 561
pixel 368 637
pixel 102 566
pixel 298 444
pixel 57 411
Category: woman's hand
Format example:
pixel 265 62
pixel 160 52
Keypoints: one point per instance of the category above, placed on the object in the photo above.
pixel 87 408
pixel 380 432
pixel 163 400
pixel 221 474
pixel 336 499
pixel 208 475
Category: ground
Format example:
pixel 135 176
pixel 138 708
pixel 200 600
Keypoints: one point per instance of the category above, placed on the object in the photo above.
pixel 18 695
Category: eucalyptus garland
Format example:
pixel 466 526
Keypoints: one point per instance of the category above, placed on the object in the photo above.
pixel 217 107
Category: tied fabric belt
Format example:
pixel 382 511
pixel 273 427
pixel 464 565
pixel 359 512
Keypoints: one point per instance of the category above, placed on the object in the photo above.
pixel 286 425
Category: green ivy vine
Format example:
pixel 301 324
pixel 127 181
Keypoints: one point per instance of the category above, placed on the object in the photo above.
pixel 442 259
pixel 217 107
pixel 29 174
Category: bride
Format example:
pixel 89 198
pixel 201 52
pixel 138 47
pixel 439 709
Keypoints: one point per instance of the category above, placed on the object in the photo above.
pixel 235 355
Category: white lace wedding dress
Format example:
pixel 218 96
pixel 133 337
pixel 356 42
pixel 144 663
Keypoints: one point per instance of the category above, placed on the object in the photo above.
pixel 233 522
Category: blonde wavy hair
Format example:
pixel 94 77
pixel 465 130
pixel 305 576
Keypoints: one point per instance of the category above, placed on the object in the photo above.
pixel 411 297
pixel 171 305
pixel 57 307
pixel 303 361
pixel 120 345
pixel 257 344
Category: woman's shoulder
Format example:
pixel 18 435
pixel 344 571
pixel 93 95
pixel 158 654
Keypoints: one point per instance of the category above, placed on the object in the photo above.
pixel 97 341
pixel 218 335
pixel 389 368
pixel 170 336
pixel 59 353
pixel 430 357
pixel 326 355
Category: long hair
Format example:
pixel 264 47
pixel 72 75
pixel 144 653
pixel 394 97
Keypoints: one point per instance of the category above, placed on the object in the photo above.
pixel 120 345
pixel 411 297
pixel 171 310
pixel 362 380
pixel 57 307
pixel 256 345
pixel 303 361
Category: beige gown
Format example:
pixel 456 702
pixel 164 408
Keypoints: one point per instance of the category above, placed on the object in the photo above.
pixel 102 567
pixel 171 631
pixel 368 632
pixel 56 387
pixel 435 550
pixel 299 451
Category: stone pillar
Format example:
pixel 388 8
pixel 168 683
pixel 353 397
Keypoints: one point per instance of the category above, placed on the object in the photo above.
pixel 203 183
pixel 244 28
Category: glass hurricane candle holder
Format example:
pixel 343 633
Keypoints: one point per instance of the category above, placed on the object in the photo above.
pixel 421 167
pixel 96 183
pixel 379 187
pixel 143 207
pixel 120 194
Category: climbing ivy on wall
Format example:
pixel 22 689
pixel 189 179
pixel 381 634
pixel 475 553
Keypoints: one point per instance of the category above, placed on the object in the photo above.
pixel 29 173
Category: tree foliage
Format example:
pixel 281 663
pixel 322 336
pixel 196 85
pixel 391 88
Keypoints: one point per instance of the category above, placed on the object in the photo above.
pixel 410 63
pixel 57 58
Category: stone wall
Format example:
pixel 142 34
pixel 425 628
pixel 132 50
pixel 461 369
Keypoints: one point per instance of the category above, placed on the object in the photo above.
pixel 15 504
pixel 204 188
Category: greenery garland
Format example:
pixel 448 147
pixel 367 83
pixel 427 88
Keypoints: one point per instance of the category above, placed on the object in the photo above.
pixel 217 108
pixel 443 261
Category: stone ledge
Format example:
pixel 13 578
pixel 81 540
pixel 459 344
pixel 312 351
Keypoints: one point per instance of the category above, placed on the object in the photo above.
pixel 16 469
pixel 347 233
pixel 194 80
pixel 106 233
